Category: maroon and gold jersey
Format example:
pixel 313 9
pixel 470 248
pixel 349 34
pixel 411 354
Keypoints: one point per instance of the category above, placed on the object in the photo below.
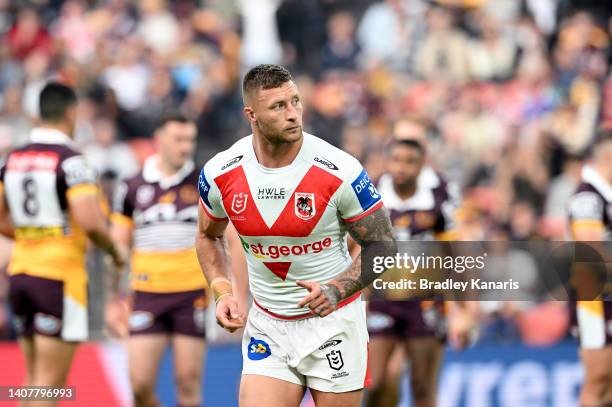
pixel 590 207
pixel 162 213
pixel 37 181
pixel 428 214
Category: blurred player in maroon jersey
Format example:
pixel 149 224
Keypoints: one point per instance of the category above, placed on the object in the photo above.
pixel 422 206
pixel 590 213
pixel 155 214
pixel 50 196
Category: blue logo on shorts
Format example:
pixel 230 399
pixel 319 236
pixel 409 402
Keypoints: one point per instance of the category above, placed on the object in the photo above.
pixel 258 349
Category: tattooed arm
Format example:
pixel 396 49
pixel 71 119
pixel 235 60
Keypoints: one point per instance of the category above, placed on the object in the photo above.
pixel 372 229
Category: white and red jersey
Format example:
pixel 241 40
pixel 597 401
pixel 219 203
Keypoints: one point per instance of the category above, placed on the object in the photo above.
pixel 291 220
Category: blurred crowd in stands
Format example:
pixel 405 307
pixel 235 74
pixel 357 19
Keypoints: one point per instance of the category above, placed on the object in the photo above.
pixel 508 94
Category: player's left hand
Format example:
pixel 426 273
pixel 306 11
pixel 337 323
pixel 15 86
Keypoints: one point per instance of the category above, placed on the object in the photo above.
pixel 322 299
pixel 461 326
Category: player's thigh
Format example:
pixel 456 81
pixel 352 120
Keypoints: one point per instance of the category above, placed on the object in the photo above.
pixel 26 343
pixel 256 391
pixel 53 357
pixel 397 363
pixel 144 356
pixel 380 351
pixel 425 354
pixel 348 399
pixel 189 354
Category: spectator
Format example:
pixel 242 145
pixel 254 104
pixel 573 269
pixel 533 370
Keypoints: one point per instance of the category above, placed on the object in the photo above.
pixel 106 154
pixel 28 35
pixel 158 27
pixel 392 43
pixel 340 51
pixel 72 30
pixel 443 54
pixel 261 43
pixel 128 77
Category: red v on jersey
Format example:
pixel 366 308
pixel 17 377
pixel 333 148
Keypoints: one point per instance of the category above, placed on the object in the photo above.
pixel 279 268
pixel 247 219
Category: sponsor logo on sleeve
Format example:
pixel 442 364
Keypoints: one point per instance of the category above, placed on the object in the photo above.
pixel 231 162
pixel 204 188
pixel 326 162
pixel 365 191
pixel 586 205
pixel 258 349
pixel 78 171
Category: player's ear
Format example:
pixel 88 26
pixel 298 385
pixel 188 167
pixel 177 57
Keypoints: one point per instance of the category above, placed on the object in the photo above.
pixel 71 114
pixel 249 114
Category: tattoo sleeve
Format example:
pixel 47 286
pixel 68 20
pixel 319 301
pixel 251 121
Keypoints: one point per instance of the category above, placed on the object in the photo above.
pixel 372 229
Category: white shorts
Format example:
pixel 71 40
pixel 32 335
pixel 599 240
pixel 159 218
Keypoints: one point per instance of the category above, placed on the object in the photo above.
pixel 327 354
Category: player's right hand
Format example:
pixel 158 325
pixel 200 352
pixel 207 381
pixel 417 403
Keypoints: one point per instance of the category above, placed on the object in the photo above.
pixel 119 256
pixel 228 315
pixel 117 318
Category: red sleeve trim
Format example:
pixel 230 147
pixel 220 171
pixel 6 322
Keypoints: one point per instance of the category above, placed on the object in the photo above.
pixel 364 214
pixel 210 215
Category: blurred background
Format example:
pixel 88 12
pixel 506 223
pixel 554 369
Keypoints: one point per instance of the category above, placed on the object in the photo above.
pixel 508 94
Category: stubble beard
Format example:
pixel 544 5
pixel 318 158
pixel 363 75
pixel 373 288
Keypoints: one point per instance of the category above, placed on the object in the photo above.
pixel 278 137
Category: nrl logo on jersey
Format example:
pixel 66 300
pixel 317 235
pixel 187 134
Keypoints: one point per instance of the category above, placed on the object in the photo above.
pixel 305 205
pixel 239 202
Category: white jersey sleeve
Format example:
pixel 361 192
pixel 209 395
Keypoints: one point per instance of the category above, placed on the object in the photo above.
pixel 210 195
pixel 357 195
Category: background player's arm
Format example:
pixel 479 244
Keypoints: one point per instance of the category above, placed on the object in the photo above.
pixel 6 225
pixel 586 210
pixel 121 234
pixel 592 232
pixel 89 216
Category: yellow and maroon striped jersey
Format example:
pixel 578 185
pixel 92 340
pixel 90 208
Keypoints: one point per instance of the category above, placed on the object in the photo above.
pixel 37 181
pixel 162 212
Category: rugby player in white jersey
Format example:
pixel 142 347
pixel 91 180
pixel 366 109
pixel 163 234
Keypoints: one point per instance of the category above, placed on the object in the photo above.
pixel 292 198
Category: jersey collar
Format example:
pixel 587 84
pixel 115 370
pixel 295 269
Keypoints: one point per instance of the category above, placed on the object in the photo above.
pixel 597 181
pixel 45 135
pixel 151 173
pixel 298 158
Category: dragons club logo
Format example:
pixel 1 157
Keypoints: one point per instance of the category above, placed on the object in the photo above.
pixel 305 205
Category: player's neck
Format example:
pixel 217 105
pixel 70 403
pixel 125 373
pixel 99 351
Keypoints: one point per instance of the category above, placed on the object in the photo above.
pixel 272 155
pixel 166 169
pixel 602 169
pixel 56 126
pixel 405 191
